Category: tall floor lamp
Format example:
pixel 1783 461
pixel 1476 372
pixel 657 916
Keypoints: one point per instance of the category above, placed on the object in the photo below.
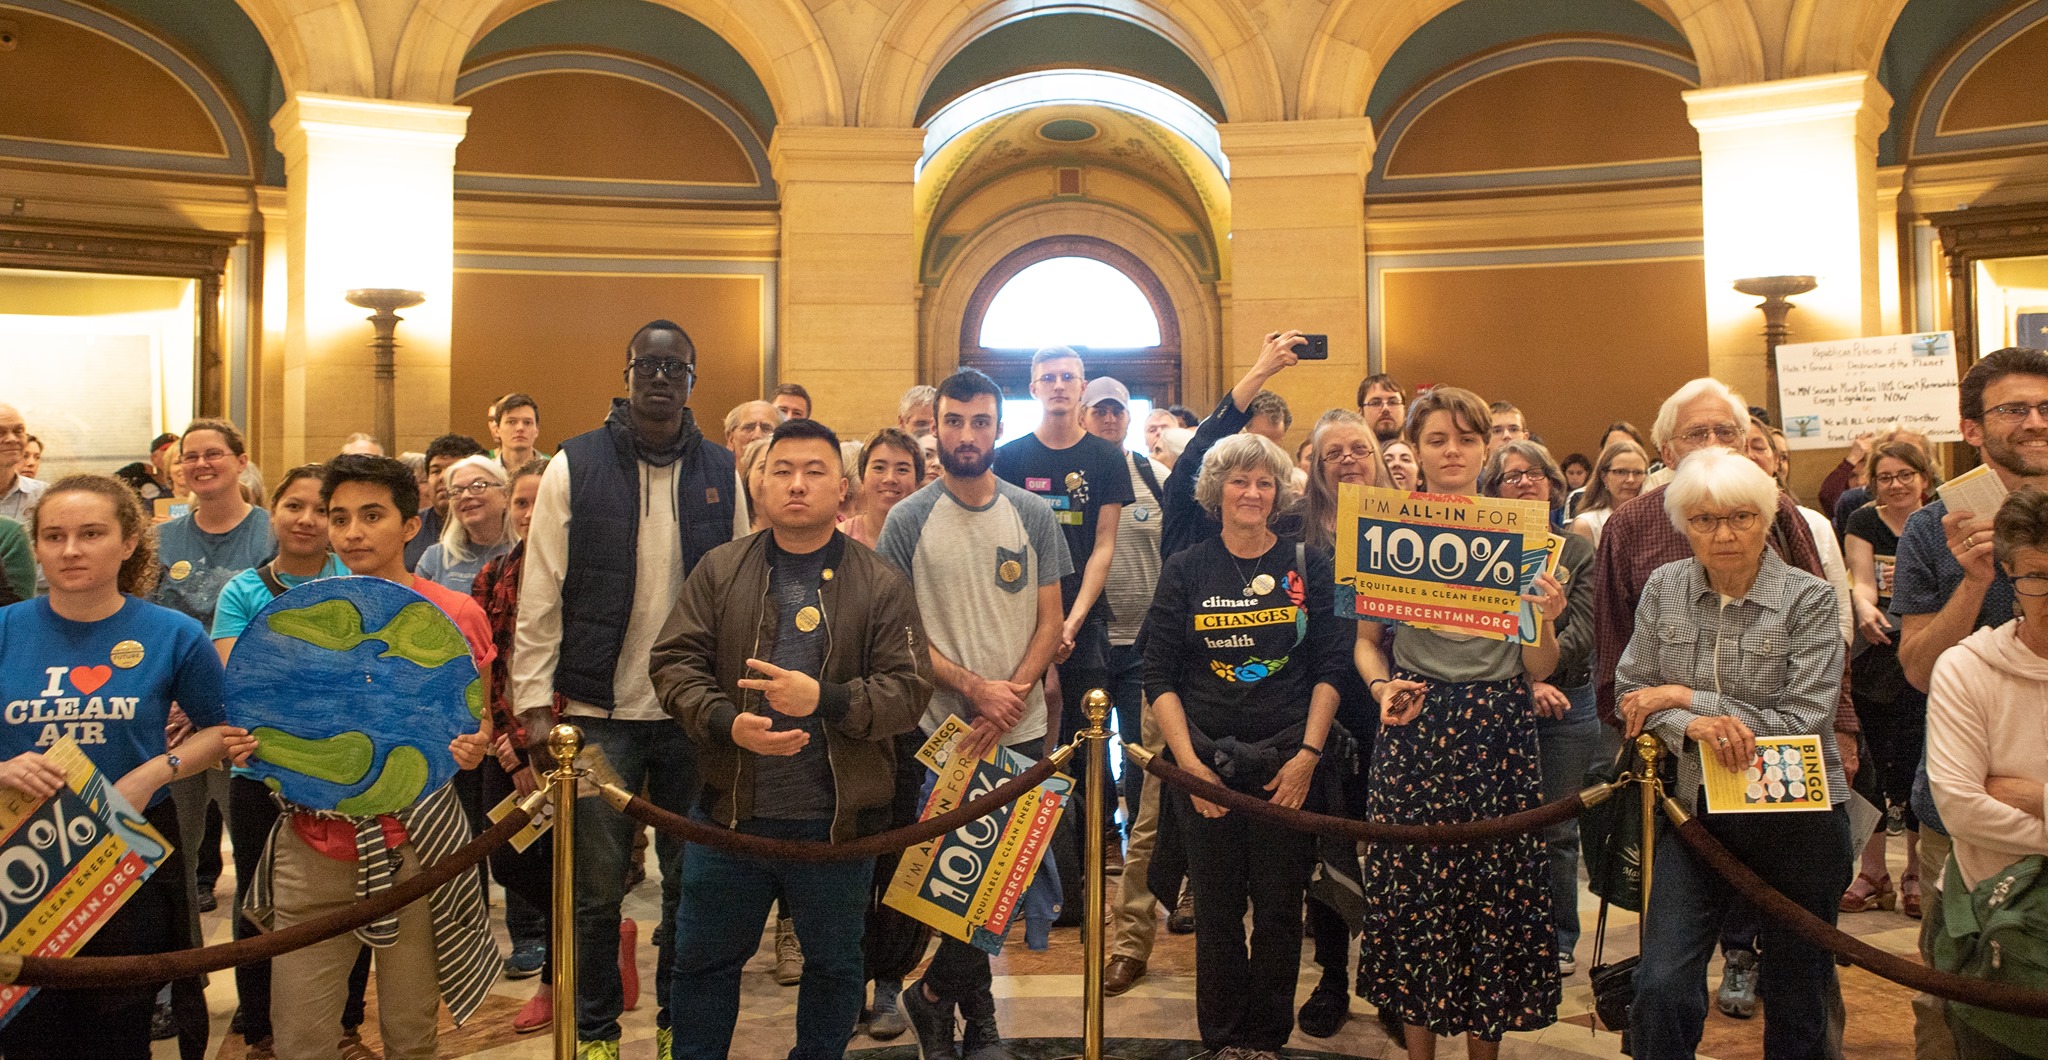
pixel 385 303
pixel 1775 290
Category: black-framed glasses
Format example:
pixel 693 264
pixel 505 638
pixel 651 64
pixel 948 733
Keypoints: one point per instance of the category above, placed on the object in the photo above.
pixel 666 367
pixel 2016 411
pixel 1357 454
pixel 473 488
pixel 2030 584
pixel 1704 524
pixel 1383 403
pixel 211 456
pixel 1529 474
pixel 1890 477
pixel 1723 433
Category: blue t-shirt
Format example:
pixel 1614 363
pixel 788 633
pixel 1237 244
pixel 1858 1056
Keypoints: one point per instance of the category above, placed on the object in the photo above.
pixel 246 594
pixel 197 565
pixel 108 684
pixel 436 567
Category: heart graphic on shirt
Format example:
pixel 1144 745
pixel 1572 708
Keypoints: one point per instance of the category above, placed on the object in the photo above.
pixel 88 679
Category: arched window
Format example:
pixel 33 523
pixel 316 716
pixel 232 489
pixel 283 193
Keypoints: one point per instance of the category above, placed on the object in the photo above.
pixel 1076 291
pixel 1071 301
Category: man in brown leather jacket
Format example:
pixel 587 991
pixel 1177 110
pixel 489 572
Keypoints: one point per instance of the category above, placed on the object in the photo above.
pixel 793 658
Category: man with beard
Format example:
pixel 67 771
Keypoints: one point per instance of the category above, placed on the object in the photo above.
pixel 1947 585
pixel 985 559
pixel 1384 405
pixel 623 514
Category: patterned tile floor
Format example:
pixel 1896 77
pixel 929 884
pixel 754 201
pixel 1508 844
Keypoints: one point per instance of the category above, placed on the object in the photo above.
pixel 1038 1000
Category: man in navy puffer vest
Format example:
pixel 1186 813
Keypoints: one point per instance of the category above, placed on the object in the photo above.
pixel 624 512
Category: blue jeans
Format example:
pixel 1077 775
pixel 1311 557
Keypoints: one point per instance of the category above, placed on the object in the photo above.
pixel 725 896
pixel 1565 747
pixel 658 756
pixel 1127 696
pixel 1803 855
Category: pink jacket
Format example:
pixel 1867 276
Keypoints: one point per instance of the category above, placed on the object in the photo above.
pixel 1987 715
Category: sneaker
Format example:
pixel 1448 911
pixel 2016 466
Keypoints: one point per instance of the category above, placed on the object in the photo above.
pixel 931 1021
pixel 664 1043
pixel 527 957
pixel 597 1050
pixel 352 1047
pixel 1567 965
pixel 629 966
pixel 1182 920
pixel 982 1040
pixel 887 1023
pixel 1737 996
pixel 163 1025
pixel 789 957
pixel 1325 1011
pixel 536 1015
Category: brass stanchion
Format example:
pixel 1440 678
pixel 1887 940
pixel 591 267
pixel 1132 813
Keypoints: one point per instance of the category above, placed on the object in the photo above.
pixel 1649 749
pixel 565 742
pixel 1094 946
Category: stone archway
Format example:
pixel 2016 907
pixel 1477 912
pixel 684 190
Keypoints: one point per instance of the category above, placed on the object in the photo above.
pixel 1832 36
pixel 1196 316
pixel 318 45
pixel 1217 34
pixel 778 38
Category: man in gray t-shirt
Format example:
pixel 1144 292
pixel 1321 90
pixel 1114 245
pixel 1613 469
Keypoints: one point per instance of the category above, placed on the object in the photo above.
pixel 985 559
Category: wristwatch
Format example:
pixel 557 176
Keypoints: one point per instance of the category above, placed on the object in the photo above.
pixel 175 762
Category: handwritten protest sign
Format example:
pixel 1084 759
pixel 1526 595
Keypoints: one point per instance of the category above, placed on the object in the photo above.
pixel 1830 392
pixel 67 864
pixel 968 882
pixel 1444 562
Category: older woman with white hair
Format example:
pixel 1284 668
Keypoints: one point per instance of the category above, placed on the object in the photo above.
pixel 478 530
pixel 1729 646
pixel 1243 649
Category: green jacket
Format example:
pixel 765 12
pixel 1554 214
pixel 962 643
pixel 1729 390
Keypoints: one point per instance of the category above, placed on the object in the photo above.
pixel 876 679
pixel 18 558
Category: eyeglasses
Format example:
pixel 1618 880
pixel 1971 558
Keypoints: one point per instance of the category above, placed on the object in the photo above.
pixel 2016 411
pixel 1516 478
pixel 1050 378
pixel 1711 524
pixel 2031 585
pixel 1383 403
pixel 1356 454
pixel 474 488
pixel 1724 433
pixel 667 367
pixel 211 456
pixel 1890 477
pixel 1627 473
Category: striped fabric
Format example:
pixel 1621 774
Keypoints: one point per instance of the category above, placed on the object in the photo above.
pixel 466 957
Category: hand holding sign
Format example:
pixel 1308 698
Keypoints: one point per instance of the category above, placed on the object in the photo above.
pixel 31 774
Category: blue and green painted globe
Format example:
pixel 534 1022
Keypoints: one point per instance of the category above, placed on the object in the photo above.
pixel 353 688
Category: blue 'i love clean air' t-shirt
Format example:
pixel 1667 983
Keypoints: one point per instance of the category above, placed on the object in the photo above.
pixel 108 684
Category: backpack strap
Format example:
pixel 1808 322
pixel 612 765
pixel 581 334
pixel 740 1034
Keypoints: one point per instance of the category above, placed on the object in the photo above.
pixel 1144 468
pixel 270 579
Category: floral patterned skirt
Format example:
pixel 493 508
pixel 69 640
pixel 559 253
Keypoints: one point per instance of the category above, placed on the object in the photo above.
pixel 1459 939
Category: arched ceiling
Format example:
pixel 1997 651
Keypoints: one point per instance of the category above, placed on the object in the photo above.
pixel 1058 136
pixel 1926 31
pixel 220 37
pixel 641 28
pixel 1070 40
pixel 1481 25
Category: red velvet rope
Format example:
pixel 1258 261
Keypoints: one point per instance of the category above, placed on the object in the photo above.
pixel 865 847
pixel 1486 831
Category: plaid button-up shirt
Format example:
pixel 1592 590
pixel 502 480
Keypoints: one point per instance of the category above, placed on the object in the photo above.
pixel 1771 660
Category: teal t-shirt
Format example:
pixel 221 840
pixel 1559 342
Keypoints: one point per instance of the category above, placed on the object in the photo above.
pixel 245 594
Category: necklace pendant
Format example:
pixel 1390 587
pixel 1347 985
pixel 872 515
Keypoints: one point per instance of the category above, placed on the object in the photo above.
pixel 1262 585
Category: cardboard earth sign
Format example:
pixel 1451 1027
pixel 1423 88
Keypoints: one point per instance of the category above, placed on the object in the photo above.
pixel 354 688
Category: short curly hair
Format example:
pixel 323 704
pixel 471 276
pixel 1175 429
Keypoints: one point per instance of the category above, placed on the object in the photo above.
pixel 1255 451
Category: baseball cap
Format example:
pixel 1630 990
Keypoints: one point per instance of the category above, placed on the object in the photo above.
pixel 161 440
pixel 1103 388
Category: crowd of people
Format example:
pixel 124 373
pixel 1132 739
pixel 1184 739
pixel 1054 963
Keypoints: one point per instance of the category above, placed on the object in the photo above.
pixel 757 629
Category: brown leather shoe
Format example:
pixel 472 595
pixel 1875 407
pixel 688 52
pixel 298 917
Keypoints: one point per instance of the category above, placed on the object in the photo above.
pixel 1121 974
